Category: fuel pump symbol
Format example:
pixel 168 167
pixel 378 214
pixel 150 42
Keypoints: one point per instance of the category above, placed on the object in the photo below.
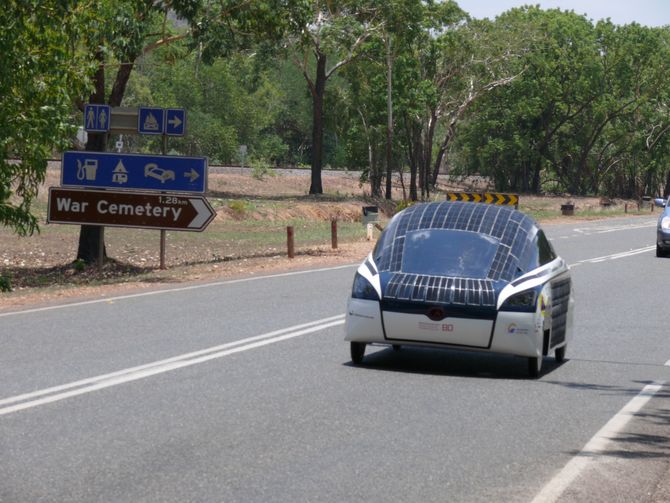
pixel 88 170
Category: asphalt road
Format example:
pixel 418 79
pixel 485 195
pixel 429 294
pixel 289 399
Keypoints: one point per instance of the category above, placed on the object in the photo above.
pixel 243 391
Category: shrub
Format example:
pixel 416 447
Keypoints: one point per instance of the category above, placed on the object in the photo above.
pixel 5 284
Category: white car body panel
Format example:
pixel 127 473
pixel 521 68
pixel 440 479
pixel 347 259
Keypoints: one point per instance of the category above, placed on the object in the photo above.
pixel 457 331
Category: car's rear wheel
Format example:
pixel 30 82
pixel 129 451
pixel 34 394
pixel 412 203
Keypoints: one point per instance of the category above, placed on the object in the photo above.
pixel 559 354
pixel 534 366
pixel 357 352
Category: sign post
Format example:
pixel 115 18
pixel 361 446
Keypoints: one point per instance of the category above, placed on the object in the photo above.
pixel 126 174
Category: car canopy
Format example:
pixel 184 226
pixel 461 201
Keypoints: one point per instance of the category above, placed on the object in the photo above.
pixel 454 252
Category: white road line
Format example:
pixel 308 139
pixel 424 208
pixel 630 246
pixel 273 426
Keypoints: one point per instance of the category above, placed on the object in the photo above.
pixel 626 227
pixel 179 289
pixel 614 256
pixel 56 393
pixel 667 364
pixel 596 446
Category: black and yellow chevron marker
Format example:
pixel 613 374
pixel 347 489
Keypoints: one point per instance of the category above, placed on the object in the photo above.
pixel 485 197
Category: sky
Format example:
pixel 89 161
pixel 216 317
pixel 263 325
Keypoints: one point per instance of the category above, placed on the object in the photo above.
pixel 644 12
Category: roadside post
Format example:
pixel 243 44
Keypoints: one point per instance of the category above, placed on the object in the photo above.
pixel 370 217
pixel 290 242
pixel 333 233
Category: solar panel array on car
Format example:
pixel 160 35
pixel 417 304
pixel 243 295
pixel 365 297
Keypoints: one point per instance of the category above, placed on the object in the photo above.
pixel 437 289
pixel 511 228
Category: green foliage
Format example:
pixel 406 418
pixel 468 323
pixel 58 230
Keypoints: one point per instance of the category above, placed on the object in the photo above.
pixel 240 206
pixel 41 74
pixel 5 284
pixel 403 204
pixel 587 116
pixel 260 168
pixel 79 265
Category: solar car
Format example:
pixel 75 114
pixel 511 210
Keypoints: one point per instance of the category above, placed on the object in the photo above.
pixel 463 275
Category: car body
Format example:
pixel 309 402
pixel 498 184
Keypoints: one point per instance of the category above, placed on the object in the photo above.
pixel 463 275
pixel 663 233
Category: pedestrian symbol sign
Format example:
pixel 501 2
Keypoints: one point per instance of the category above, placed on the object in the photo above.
pixel 150 121
pixel 96 118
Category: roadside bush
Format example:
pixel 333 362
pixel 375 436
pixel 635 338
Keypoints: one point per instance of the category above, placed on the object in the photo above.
pixel 405 203
pixel 5 284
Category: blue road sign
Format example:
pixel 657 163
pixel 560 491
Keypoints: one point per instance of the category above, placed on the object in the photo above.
pixel 164 173
pixel 96 118
pixel 175 121
pixel 150 120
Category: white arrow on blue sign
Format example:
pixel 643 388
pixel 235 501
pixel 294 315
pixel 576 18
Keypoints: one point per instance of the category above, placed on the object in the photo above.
pixel 175 121
pixel 96 118
pixel 163 173
pixel 150 120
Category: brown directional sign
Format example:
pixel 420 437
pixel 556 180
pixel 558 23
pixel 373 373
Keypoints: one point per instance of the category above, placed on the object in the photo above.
pixel 485 197
pixel 129 209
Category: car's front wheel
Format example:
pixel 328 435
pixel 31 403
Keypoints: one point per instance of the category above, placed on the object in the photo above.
pixel 534 366
pixel 660 252
pixel 357 352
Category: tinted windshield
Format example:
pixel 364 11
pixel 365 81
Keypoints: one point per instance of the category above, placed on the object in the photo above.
pixel 451 253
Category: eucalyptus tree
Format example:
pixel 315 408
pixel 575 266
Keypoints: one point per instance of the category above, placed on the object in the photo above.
pixel 421 82
pixel 402 22
pixel 366 104
pixel 42 73
pixel 335 30
pixel 519 131
pixel 475 59
pixel 629 153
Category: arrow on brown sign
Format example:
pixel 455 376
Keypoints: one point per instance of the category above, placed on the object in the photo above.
pixel 144 210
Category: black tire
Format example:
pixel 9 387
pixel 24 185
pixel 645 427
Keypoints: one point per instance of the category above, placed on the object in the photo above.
pixel 660 252
pixel 396 347
pixel 357 352
pixel 534 366
pixel 559 354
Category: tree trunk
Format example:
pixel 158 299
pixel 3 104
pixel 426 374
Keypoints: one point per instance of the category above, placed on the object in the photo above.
pixel 120 84
pixel 537 167
pixel 415 152
pixel 427 154
pixel 90 236
pixel 451 131
pixel 389 118
pixel 317 124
